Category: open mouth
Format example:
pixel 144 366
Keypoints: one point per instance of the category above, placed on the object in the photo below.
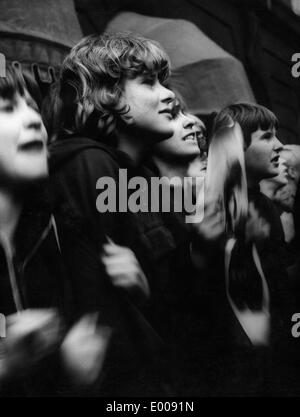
pixel 166 111
pixel 190 138
pixel 33 146
pixel 275 160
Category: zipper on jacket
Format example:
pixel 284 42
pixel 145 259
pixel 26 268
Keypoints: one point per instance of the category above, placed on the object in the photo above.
pixel 12 275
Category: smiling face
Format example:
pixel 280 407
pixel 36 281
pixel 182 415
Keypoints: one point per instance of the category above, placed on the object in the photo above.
pixel 184 142
pixel 262 156
pixel 23 152
pixel 150 108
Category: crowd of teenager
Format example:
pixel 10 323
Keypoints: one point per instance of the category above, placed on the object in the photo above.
pixel 127 302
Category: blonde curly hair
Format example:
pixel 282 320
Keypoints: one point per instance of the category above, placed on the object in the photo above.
pixel 86 98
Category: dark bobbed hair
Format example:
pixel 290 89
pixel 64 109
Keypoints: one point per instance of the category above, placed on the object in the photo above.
pixel 250 117
pixel 17 81
pixel 87 96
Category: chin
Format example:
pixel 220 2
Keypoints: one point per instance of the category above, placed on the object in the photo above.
pixel 271 174
pixel 36 175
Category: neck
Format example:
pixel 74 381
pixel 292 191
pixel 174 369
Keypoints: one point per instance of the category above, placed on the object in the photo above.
pixel 132 146
pixel 181 169
pixel 10 211
pixel 195 167
pixel 170 170
pixel 252 182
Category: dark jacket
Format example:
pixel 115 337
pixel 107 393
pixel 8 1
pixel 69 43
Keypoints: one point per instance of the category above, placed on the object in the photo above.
pixel 75 166
pixel 41 282
pixel 276 258
pixel 234 365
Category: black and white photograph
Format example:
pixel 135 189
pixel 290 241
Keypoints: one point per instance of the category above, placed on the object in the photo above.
pixel 149 201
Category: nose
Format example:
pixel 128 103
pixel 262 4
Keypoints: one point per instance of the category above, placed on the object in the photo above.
pixel 278 146
pixel 188 122
pixel 32 119
pixel 167 96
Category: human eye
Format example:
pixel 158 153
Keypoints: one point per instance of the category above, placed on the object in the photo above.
pixel 149 80
pixel 268 135
pixel 7 106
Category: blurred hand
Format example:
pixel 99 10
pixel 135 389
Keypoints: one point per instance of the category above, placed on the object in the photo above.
pixel 285 196
pixel 209 232
pixel 31 335
pixel 257 228
pixel 124 269
pixel 84 350
pixel 212 227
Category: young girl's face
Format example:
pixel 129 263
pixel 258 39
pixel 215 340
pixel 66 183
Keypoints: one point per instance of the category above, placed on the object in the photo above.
pixel 150 107
pixel 184 142
pixel 23 152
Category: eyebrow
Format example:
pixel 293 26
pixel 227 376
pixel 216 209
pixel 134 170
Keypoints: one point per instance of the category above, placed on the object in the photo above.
pixel 268 132
pixel 12 99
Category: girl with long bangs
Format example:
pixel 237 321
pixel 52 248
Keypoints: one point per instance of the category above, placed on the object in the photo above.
pixel 25 230
pixel 35 291
pixel 180 162
pixel 20 83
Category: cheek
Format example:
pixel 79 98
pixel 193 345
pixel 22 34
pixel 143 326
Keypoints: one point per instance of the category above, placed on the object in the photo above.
pixel 267 150
pixel 8 145
pixel 44 134
pixel 250 156
pixel 146 101
pixel 9 130
pixel 260 154
pixel 138 106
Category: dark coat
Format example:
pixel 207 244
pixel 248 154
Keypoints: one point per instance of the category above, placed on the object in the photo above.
pixel 230 363
pixel 41 282
pixel 75 166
